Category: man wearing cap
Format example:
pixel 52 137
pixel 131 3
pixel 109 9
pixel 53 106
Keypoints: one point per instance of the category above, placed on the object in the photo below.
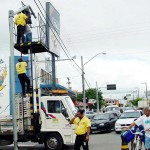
pixel 21 71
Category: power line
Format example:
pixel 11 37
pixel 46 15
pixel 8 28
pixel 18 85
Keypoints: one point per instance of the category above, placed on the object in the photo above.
pixel 57 34
pixel 64 48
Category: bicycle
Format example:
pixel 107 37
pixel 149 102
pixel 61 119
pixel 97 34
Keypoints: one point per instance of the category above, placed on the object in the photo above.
pixel 136 143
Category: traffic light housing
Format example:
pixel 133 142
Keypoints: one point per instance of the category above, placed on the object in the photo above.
pixel 111 86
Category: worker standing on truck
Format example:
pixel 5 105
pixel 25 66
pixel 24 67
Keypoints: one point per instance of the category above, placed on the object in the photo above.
pixel 82 130
pixel 20 21
pixel 21 71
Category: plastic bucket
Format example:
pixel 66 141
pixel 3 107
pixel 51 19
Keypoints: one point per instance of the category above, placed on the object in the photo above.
pixel 127 136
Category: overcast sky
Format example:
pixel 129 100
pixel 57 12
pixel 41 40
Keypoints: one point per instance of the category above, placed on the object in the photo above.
pixel 120 28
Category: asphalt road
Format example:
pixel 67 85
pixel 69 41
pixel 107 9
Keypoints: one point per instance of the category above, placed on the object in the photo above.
pixel 98 141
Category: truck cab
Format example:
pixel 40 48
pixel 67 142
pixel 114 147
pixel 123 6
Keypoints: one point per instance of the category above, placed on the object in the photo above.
pixel 56 112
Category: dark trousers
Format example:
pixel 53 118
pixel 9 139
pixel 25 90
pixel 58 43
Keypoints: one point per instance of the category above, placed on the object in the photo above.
pixel 80 141
pixel 20 33
pixel 24 79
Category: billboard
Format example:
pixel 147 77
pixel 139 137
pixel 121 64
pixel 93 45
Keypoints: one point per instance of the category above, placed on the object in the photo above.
pixel 52 29
pixel 4 86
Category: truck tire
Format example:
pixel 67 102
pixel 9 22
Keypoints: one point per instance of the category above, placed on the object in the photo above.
pixel 53 141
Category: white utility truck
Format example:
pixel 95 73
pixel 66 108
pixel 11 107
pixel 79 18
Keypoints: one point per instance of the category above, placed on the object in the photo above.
pixel 50 126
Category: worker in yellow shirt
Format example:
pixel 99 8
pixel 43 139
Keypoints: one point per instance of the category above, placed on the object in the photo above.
pixel 21 71
pixel 20 21
pixel 82 130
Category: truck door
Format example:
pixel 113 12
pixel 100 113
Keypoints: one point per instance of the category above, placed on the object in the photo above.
pixel 58 118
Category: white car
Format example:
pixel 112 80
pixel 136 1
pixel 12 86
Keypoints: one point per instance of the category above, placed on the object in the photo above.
pixel 126 119
pixel 112 108
pixel 90 114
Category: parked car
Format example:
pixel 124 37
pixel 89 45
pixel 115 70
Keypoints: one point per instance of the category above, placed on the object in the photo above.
pixel 126 119
pixel 103 122
pixel 90 114
pixel 122 109
pixel 112 108
pixel 115 112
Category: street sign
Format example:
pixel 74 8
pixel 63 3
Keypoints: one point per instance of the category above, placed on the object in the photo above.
pixel 111 86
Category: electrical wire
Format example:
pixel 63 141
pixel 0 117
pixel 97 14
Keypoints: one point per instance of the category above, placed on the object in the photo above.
pixel 61 43
pixel 64 48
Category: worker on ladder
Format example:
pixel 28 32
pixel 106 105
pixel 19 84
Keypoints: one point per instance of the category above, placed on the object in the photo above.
pixel 23 78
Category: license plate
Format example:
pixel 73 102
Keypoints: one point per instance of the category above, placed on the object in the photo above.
pixel 93 127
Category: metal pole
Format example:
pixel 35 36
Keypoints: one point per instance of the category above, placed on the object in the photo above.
pixel 138 93
pixel 53 73
pixel 133 95
pixel 12 68
pixel 146 94
pixel 97 98
pixel 83 85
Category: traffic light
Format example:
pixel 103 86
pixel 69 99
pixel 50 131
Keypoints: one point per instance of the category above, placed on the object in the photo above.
pixel 125 98
pixel 111 86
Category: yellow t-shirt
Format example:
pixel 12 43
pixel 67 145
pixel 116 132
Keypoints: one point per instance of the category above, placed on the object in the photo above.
pixel 21 19
pixel 21 67
pixel 81 125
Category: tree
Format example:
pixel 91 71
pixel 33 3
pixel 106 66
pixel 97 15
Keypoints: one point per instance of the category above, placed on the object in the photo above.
pixel 91 94
pixel 135 101
pixel 79 96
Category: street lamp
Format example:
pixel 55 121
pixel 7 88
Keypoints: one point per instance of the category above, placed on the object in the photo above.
pixel 97 98
pixel 146 94
pixel 83 83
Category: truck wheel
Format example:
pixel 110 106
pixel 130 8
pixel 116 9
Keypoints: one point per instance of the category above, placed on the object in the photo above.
pixel 53 141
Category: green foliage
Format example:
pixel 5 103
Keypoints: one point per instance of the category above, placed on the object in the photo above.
pixel 79 96
pixel 128 105
pixel 91 94
pixel 135 101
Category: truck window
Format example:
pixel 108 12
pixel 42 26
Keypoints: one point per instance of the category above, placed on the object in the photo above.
pixel 56 107
pixel 63 110
pixel 71 105
pixel 53 106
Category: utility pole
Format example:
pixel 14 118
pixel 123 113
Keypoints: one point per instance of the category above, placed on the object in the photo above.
pixel 138 93
pixel 146 93
pixel 12 67
pixel 97 98
pixel 53 73
pixel 83 85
